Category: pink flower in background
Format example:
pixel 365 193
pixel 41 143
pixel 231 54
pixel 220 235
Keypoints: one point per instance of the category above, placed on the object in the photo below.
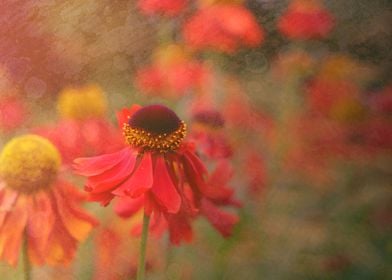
pixel 306 19
pixel 223 27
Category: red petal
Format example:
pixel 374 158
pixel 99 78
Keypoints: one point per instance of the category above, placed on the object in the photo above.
pixel 7 200
pixel 124 114
pixel 77 222
pixel 96 165
pixel 163 189
pixel 222 221
pixel 103 198
pixel 11 233
pixel 140 181
pixel 39 226
pixel 109 179
pixel 179 228
pixel 196 162
pixel 126 207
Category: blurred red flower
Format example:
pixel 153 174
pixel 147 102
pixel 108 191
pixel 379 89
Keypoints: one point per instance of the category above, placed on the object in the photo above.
pixel 13 113
pixel 223 27
pixel 172 74
pixel 306 19
pixel 207 131
pixel 162 7
pixel 83 129
pixel 37 204
pixel 157 171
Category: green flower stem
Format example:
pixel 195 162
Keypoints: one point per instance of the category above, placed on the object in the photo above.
pixel 26 261
pixel 143 246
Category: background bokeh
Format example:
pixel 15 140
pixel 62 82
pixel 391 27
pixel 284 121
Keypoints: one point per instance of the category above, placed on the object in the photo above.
pixel 308 120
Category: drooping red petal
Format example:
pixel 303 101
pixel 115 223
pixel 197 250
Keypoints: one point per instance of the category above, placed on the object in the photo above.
pixel 109 179
pixel 39 226
pixel 222 221
pixel 11 233
pixel 77 222
pixel 196 162
pixel 163 189
pixel 126 207
pixel 180 228
pixel 92 166
pixel 140 181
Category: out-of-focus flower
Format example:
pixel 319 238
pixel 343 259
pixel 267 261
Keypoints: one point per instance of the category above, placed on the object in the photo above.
pixel 293 64
pixel 80 103
pixel 255 171
pixel 207 131
pixel 338 100
pixel 157 172
pixel 172 74
pixel 83 129
pixel 13 113
pixel 38 205
pixel 223 27
pixel 162 7
pixel 306 19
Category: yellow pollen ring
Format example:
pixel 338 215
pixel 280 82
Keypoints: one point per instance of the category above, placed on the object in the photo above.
pixel 161 143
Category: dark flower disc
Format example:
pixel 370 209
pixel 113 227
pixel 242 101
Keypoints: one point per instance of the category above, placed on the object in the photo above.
pixel 155 119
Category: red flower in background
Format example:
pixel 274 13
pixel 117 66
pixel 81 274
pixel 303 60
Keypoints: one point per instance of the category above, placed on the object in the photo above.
pixel 207 131
pixel 223 27
pixel 13 113
pixel 306 19
pixel 172 74
pixel 157 171
pixel 38 205
pixel 162 7
pixel 83 129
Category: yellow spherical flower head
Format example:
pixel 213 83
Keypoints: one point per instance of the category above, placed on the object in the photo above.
pixel 29 164
pixel 82 103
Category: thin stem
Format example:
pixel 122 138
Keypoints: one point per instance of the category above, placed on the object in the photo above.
pixel 143 245
pixel 26 261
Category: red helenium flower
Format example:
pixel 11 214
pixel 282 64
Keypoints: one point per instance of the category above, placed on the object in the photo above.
pixel 158 171
pixel 224 27
pixel 306 19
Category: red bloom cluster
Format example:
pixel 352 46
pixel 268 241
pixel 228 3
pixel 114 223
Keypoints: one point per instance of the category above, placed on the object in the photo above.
pixel 158 172
pixel 172 81
pixel 162 7
pixel 306 19
pixel 222 27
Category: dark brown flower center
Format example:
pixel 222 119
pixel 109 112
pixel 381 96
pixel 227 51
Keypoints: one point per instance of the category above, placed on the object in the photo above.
pixel 155 128
pixel 155 119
